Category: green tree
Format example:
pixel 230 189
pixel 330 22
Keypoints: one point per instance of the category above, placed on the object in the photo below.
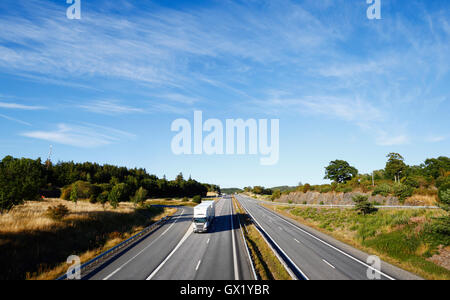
pixel 363 206
pixel 140 196
pixel 20 179
pixel 116 195
pixel 275 195
pixel 197 199
pixel 74 193
pixel 395 166
pixel 340 171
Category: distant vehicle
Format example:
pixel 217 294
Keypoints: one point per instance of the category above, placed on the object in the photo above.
pixel 204 214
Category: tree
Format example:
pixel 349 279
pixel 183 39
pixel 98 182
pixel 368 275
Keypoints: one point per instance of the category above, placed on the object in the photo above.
pixel 116 195
pixel 20 179
pixel 275 195
pixel 74 193
pixel 436 167
pixel 363 206
pixel 197 199
pixel 395 166
pixel 340 171
pixel 140 196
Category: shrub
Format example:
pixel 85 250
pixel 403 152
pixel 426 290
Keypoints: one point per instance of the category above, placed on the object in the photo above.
pixel 363 206
pixel 275 195
pixel 103 197
pixel 57 213
pixel 344 189
pixel 306 188
pixel 185 199
pixel 325 188
pixel 383 189
pixel 92 199
pixel 140 196
pixel 411 182
pixel 402 191
pixel 197 199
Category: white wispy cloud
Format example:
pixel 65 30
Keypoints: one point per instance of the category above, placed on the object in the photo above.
pixel 86 136
pixel 385 139
pixel 9 105
pixel 14 120
pixel 109 107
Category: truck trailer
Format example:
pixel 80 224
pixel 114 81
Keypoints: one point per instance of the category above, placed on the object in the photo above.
pixel 204 214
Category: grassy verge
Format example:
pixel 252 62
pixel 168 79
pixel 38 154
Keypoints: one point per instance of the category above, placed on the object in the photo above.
pixel 35 246
pixel 267 265
pixel 401 237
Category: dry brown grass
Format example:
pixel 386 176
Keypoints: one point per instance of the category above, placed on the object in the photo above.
pixel 32 216
pixel 421 200
pixel 34 246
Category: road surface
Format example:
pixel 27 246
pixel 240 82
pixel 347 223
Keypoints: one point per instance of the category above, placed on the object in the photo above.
pixel 315 258
pixel 174 252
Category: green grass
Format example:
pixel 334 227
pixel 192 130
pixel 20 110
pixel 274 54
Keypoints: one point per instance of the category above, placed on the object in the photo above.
pixel 403 236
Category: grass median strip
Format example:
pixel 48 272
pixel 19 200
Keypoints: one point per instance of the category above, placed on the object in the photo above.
pixel 402 237
pixel 267 265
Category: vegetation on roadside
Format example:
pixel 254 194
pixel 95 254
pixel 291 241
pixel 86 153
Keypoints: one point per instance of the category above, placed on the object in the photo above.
pixel 267 265
pixel 37 237
pixel 26 179
pixel 410 184
pixel 407 238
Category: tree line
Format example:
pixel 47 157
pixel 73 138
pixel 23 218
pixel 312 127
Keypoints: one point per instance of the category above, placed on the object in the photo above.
pixel 26 179
pixel 432 177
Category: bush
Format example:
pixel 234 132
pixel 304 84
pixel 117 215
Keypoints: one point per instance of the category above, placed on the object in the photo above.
pixel 411 182
pixel 383 189
pixel 185 199
pixel 197 199
pixel 325 188
pixel 140 196
pixel 275 195
pixel 402 191
pixel 103 197
pixel 363 206
pixel 57 213
pixel 306 188
pixel 344 189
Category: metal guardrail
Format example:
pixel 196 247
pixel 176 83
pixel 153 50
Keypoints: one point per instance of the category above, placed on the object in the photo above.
pixel 92 264
pixel 347 205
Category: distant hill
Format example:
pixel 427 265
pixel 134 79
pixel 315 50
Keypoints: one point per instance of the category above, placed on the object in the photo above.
pixel 231 190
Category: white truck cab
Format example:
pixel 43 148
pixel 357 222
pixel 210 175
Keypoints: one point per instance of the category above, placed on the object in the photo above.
pixel 204 214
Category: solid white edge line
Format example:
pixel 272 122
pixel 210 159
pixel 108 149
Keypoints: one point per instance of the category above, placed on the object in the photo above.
pixel 140 252
pixel 236 270
pixel 282 251
pixel 331 246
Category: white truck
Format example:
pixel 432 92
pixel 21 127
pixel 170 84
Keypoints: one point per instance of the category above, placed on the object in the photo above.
pixel 204 214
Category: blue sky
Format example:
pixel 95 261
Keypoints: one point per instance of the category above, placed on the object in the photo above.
pixel 106 88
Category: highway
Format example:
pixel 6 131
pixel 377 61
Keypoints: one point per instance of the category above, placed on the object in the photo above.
pixel 174 252
pixel 313 257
